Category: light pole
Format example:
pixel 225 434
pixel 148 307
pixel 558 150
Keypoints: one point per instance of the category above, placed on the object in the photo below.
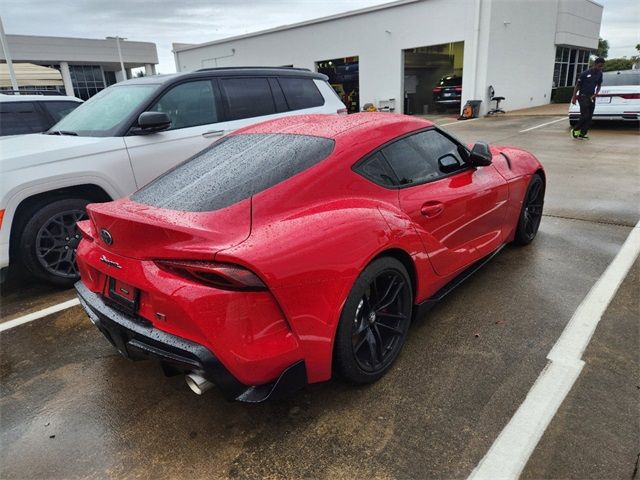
pixel 7 56
pixel 117 39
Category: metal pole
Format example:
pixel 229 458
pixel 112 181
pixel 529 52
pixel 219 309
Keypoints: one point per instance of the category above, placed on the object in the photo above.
pixel 7 56
pixel 124 72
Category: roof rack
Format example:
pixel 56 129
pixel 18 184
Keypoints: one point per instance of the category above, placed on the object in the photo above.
pixel 249 68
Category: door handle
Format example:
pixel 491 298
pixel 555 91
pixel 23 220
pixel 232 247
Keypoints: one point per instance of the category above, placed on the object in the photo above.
pixel 432 209
pixel 213 133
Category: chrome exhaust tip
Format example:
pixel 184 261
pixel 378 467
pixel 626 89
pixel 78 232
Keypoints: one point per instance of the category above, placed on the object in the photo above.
pixel 197 384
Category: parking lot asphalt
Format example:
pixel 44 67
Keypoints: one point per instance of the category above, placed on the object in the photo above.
pixel 71 407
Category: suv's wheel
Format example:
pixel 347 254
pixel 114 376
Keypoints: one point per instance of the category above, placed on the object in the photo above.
pixel 374 322
pixel 531 213
pixel 49 240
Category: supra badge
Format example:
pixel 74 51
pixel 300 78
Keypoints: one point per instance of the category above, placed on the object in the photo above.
pixel 111 263
pixel 106 236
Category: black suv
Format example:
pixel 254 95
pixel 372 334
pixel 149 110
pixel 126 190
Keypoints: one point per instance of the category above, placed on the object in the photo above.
pixel 448 92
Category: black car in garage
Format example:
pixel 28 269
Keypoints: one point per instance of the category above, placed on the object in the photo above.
pixel 448 92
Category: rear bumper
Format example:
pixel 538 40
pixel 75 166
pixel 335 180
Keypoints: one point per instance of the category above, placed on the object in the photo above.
pixel 136 339
pixel 627 116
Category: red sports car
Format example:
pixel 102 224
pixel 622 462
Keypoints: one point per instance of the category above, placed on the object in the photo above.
pixel 300 247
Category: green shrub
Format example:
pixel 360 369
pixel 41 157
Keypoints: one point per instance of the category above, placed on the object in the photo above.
pixel 561 94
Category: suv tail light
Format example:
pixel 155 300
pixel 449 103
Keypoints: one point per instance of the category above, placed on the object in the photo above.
pixel 342 111
pixel 458 89
pixel 437 89
pixel 220 275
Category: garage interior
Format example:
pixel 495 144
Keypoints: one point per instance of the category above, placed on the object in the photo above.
pixel 344 77
pixel 423 68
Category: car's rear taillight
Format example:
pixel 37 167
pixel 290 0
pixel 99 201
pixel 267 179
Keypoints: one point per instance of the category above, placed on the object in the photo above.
pixel 437 89
pixel 458 89
pixel 342 111
pixel 220 275
pixel 1 217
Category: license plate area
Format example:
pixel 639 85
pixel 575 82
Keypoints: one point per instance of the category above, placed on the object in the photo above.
pixel 603 99
pixel 122 296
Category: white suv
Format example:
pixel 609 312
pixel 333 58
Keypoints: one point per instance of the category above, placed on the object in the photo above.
pixel 121 139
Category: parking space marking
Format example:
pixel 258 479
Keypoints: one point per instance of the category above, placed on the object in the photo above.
pixel 39 314
pixel 543 125
pixel 458 122
pixel 511 451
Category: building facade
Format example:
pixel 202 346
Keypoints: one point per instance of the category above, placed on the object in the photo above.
pixel 87 65
pixel 394 55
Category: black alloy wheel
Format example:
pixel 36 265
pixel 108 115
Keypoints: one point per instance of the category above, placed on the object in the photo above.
pixel 57 241
pixel 374 322
pixel 531 214
pixel 50 238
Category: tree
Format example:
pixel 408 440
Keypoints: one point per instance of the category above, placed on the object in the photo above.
pixel 615 64
pixel 603 48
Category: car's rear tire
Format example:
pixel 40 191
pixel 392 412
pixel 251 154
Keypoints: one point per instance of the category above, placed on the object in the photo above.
pixel 531 213
pixel 49 238
pixel 374 322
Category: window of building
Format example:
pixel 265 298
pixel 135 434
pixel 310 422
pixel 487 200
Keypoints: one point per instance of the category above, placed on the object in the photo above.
pixel 570 63
pixel 87 80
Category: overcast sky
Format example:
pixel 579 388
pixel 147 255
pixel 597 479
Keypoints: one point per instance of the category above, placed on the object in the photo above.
pixel 198 21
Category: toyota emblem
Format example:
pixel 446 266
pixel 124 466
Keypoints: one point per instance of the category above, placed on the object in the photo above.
pixel 106 236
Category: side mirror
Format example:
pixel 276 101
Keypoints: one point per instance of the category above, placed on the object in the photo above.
pixel 480 155
pixel 152 122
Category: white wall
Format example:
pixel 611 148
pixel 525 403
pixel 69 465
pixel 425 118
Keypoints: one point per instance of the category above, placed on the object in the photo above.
pixel 578 23
pixel 521 54
pixel 513 49
pixel 82 50
pixel 377 38
pixel 523 39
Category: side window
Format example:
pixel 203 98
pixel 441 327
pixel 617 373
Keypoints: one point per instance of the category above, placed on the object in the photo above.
pixel 17 118
pixel 415 159
pixel 59 110
pixel 376 170
pixel 189 105
pixel 301 93
pixel 247 97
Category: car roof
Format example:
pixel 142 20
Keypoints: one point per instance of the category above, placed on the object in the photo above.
pixel 386 125
pixel 227 72
pixel 37 98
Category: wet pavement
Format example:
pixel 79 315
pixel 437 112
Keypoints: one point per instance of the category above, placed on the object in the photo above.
pixel 71 407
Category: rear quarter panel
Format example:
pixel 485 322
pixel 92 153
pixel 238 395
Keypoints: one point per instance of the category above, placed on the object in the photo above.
pixel 311 237
pixel 516 166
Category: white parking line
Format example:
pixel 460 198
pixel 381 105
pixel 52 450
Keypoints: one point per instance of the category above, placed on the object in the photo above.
pixel 39 314
pixel 543 125
pixel 510 452
pixel 459 121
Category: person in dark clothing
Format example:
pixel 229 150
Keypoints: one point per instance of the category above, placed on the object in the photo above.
pixel 585 91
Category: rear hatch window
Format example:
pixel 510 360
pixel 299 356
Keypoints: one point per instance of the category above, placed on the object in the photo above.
pixel 233 169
